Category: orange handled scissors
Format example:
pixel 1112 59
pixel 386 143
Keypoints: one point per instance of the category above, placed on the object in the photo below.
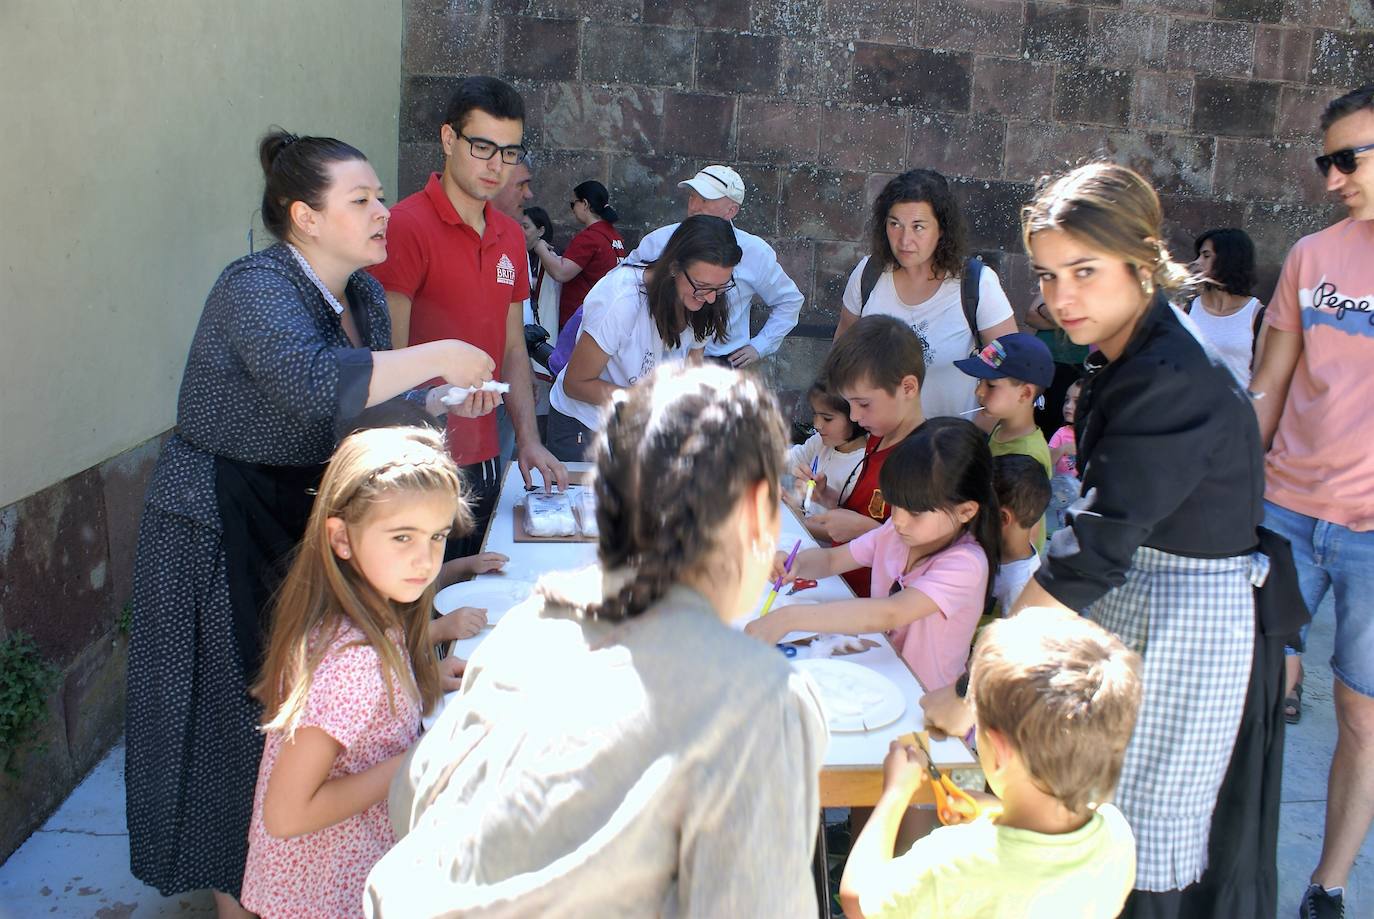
pixel 952 803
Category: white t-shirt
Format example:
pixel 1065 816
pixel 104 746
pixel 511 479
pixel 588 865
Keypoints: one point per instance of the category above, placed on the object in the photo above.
pixel 943 329
pixel 831 463
pixel 616 316
pixel 1011 579
pixel 1233 336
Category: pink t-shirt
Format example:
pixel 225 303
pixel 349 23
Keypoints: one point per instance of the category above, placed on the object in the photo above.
pixel 1320 463
pixel 323 873
pixel 1068 463
pixel 956 578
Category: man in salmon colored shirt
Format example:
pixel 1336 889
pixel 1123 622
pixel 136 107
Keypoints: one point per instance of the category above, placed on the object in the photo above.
pixel 456 268
pixel 1311 394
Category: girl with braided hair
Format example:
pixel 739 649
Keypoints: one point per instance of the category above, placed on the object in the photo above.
pixel 618 748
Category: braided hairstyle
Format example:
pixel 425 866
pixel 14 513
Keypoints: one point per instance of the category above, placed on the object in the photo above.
pixel 676 453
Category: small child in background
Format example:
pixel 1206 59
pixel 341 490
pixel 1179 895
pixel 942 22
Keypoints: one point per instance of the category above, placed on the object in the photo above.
pixel 1064 485
pixel 350 666
pixel 836 448
pixel 1023 493
pixel 930 561
pixel 1013 372
pixel 1056 697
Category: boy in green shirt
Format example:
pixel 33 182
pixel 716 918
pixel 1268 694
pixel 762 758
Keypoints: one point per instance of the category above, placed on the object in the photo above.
pixel 1013 372
pixel 1056 698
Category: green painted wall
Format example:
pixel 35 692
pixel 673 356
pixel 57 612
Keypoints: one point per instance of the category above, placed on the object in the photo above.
pixel 128 159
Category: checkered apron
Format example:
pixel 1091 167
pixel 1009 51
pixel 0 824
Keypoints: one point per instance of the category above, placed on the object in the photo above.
pixel 1193 622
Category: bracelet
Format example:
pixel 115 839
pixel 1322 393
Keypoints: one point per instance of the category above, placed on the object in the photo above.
pixel 971 738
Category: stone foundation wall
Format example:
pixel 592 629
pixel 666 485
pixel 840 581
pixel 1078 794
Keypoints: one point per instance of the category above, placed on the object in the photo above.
pixel 819 102
pixel 66 574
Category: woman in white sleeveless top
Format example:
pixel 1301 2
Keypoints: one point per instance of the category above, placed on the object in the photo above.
pixel 1229 318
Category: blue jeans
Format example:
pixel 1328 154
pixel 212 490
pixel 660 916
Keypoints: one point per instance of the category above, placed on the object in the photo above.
pixel 1335 558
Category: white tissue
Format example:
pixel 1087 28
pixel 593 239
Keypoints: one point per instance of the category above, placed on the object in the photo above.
pixel 585 503
pixel 549 515
pixel 459 393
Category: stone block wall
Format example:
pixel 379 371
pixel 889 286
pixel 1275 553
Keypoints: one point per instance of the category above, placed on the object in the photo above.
pixel 66 573
pixel 818 102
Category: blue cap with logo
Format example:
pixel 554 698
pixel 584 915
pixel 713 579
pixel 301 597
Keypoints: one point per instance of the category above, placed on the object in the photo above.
pixel 1017 356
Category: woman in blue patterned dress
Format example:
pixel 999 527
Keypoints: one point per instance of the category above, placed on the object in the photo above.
pixel 293 344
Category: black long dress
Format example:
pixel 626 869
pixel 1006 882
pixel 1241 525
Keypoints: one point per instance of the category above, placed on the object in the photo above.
pixel 270 384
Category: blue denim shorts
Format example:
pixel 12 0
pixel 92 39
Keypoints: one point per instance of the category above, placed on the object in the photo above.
pixel 1332 558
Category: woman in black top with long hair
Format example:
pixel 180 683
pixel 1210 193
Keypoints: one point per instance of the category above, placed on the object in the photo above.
pixel 1159 549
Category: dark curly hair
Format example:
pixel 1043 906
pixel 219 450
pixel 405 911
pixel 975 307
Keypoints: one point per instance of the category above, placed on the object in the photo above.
pixel 1234 265
pixel 676 452
pixel 912 186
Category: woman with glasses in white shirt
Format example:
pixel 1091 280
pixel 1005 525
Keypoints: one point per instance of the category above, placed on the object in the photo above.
pixel 641 316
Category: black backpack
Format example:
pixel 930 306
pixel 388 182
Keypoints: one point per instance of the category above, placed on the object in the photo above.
pixel 968 290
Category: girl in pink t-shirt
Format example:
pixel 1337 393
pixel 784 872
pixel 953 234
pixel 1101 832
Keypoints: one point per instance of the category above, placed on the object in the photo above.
pixel 930 560
pixel 349 668
pixel 1063 447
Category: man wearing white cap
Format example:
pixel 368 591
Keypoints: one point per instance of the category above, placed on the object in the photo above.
pixel 719 192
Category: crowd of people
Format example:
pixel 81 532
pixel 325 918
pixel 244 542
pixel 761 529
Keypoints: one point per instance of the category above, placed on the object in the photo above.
pixel 1096 543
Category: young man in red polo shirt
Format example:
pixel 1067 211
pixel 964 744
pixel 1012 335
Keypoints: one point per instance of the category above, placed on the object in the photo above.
pixel 455 269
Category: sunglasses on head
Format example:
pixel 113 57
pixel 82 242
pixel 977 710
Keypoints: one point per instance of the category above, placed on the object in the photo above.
pixel 1343 160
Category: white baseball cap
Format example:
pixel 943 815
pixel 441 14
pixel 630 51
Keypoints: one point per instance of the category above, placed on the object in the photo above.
pixel 716 182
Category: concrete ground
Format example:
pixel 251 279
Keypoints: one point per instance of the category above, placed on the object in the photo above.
pixel 77 865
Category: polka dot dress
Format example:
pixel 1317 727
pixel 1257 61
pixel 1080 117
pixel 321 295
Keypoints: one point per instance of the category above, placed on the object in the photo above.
pixel 271 378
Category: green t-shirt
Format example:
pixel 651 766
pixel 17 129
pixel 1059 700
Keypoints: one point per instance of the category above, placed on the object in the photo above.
pixel 984 871
pixel 1032 444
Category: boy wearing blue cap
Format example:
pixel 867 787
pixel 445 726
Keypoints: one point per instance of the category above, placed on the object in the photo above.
pixel 1013 371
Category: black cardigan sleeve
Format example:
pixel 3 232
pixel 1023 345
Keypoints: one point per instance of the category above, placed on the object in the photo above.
pixel 1155 433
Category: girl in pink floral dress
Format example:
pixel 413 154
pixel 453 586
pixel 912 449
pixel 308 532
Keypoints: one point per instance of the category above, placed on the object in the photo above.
pixel 349 668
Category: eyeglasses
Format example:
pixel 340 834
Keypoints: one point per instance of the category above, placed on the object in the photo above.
pixel 572 205
pixel 1343 160
pixel 702 291
pixel 484 149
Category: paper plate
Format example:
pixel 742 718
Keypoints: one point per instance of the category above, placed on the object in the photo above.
pixel 494 594
pixel 854 698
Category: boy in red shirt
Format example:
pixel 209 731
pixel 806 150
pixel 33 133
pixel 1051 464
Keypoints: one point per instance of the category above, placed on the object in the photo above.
pixel 878 366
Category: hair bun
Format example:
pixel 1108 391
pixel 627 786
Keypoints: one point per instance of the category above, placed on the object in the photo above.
pixel 273 143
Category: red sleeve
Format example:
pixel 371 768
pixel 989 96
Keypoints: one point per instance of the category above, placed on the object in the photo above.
pixel 407 258
pixel 583 248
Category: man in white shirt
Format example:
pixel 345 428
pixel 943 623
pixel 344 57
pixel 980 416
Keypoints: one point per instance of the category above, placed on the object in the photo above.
pixel 719 192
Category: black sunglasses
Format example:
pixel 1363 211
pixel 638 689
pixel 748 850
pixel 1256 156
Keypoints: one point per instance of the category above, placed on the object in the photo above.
pixel 1343 160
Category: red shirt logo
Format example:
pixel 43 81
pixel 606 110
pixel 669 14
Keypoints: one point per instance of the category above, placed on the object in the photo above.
pixel 505 271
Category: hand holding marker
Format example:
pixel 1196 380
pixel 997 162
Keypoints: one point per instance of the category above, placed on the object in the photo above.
pixel 777 585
